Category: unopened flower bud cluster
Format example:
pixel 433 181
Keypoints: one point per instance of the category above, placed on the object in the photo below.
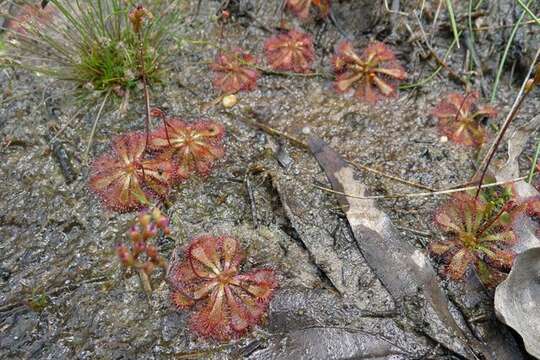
pixel 142 255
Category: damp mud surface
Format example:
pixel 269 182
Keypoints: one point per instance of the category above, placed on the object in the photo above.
pixel 63 294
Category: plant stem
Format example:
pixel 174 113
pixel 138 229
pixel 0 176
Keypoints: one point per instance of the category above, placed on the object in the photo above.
pixel 493 149
pixel 145 87
pixel 147 108
pixel 488 224
pixel 534 162
pixel 145 282
pixel 522 95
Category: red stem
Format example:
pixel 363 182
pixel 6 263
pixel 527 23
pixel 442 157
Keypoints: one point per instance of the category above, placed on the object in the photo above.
pixel 146 92
pixel 165 125
pixel 461 106
pixel 498 141
pixel 491 222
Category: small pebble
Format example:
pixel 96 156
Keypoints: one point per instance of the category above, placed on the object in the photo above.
pixel 229 101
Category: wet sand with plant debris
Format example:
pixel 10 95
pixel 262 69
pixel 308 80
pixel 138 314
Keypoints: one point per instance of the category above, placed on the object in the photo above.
pixel 63 293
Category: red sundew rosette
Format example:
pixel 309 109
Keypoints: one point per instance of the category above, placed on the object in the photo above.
pixel 226 303
pixel 192 146
pixel 459 118
pixel 301 8
pixel 374 75
pixel 476 238
pixel 291 51
pixel 235 71
pixel 126 178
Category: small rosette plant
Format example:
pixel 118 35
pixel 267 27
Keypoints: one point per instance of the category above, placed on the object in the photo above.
pixel 127 178
pixel 479 237
pixel 373 75
pixel 226 302
pixel 192 146
pixel 302 8
pixel 235 71
pixel 460 118
pixel 291 51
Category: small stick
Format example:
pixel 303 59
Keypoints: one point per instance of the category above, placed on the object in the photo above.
pixel 93 131
pixel 252 201
pixel 411 195
pixel 487 28
pixel 72 121
pixel 469 43
pixel 394 9
pixel 414 231
pixel 271 131
pixel 392 177
pixel 435 19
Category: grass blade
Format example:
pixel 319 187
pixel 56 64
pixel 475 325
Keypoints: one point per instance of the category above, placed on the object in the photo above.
pixel 534 162
pixel 528 11
pixel 453 21
pixel 505 54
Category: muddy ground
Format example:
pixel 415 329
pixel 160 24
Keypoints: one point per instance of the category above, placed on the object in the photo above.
pixel 62 291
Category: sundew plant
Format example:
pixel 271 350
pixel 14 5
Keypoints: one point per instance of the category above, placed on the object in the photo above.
pixel 93 45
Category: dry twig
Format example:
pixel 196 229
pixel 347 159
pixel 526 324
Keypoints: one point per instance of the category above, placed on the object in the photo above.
pixel 271 131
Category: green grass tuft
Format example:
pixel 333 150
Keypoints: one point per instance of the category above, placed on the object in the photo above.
pixel 92 44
